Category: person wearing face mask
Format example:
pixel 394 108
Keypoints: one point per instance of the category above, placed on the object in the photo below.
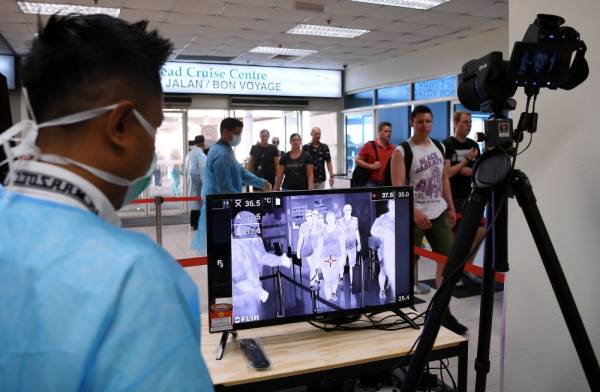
pixel 86 304
pixel 224 174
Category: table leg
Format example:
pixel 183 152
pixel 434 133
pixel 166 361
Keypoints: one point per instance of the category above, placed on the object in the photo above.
pixel 463 363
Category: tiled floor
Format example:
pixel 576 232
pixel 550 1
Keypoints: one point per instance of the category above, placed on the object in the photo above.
pixel 177 239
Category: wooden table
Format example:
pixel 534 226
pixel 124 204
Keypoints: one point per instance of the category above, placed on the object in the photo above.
pixel 301 354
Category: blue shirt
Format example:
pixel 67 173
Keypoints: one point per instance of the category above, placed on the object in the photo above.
pixel 86 305
pixel 223 174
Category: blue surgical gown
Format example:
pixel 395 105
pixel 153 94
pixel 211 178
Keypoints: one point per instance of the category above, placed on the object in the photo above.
pixel 85 305
pixel 223 174
pixel 196 162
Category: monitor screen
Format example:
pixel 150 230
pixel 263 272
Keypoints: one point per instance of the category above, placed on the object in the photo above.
pixel 542 65
pixel 288 256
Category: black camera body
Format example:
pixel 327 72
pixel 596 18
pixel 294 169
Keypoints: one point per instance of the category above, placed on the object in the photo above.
pixel 541 59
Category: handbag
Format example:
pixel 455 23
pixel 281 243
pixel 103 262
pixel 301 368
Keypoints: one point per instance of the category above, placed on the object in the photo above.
pixel 360 175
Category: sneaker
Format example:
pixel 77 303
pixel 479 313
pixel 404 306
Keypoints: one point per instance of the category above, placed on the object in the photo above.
pixel 453 325
pixel 470 280
pixel 382 294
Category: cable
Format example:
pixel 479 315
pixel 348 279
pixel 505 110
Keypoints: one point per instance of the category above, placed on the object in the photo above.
pixel 442 373
pixel 528 144
pixel 371 323
pixel 449 374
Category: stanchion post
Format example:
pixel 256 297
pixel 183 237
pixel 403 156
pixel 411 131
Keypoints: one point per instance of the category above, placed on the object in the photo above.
pixel 158 200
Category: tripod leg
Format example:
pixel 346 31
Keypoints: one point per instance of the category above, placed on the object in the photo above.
pixel 459 252
pixel 486 311
pixel 524 194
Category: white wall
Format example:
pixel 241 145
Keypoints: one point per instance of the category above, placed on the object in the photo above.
pixel 443 59
pixel 563 166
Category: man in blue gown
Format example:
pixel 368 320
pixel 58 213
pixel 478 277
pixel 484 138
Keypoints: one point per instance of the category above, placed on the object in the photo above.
pixel 224 174
pixel 85 304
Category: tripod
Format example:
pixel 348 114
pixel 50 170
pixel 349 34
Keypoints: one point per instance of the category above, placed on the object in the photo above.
pixel 494 180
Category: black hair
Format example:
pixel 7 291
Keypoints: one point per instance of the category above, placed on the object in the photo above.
pixel 420 109
pixel 384 124
pixel 231 123
pixel 199 139
pixel 74 54
pixel 294 135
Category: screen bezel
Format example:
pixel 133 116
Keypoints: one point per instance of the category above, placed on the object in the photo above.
pixel 325 315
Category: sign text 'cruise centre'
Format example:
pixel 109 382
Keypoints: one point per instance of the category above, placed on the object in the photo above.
pixel 198 78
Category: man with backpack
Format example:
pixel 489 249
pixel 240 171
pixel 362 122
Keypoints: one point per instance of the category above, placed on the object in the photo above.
pixel 419 162
pixel 374 155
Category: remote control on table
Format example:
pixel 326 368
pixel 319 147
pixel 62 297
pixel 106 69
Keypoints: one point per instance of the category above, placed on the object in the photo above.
pixel 254 353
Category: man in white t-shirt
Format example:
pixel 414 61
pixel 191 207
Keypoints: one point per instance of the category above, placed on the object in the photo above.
pixel 434 212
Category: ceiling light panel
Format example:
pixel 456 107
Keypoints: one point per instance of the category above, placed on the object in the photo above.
pixel 417 4
pixel 283 51
pixel 64 9
pixel 327 31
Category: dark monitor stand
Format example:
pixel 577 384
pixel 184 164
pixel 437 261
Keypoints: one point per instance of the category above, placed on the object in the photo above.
pixel 405 317
pixel 223 343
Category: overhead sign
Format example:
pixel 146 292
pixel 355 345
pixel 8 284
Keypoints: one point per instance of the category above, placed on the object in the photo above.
pixel 436 88
pixel 198 78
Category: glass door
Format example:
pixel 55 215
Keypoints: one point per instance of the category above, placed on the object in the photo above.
pixel 169 176
pixel 327 123
pixel 207 123
pixel 359 130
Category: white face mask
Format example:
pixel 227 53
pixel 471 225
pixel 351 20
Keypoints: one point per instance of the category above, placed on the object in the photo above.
pixel 236 139
pixel 28 130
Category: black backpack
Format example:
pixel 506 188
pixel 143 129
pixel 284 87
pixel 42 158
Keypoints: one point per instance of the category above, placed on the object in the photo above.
pixel 360 175
pixel 408 157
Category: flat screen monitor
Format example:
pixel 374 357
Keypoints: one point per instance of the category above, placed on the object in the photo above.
pixel 282 257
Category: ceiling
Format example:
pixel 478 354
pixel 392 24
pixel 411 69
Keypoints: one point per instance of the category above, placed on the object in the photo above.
pixel 233 27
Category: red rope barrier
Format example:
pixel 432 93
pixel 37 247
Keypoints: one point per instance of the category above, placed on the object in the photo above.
pixel 193 261
pixel 438 258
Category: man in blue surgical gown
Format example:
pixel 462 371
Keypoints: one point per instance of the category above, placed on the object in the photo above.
pixel 224 174
pixel 85 304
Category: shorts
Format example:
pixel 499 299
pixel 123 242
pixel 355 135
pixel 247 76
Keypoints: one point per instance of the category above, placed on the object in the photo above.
pixel 439 236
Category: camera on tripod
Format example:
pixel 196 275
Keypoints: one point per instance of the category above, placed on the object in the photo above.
pixel 541 59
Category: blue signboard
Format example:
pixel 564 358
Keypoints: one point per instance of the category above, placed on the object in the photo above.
pixel 436 88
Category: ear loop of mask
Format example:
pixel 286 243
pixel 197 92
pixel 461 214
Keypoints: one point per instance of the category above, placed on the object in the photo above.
pixel 28 131
pixel 106 176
